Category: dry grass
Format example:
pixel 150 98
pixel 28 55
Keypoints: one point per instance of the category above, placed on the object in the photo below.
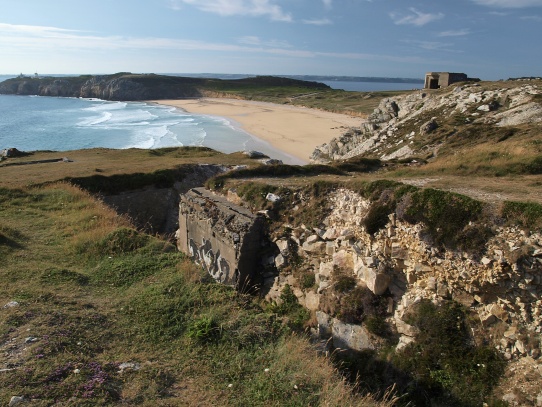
pixel 134 300
pixel 106 162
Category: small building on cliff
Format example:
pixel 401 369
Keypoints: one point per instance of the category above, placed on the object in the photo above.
pixel 437 80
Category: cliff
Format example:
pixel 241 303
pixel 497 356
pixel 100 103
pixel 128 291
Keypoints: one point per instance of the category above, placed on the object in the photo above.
pixel 367 262
pixel 127 86
pixel 435 125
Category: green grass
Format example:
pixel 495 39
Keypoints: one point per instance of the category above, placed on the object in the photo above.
pixel 452 370
pixel 525 214
pixel 95 293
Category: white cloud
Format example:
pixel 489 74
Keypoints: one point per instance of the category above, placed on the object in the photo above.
pixel 322 21
pixel 509 3
pixel 40 41
pixel 253 8
pixel 174 5
pixel 455 33
pixel 431 45
pixel 415 17
pixel 328 3
pixel 254 40
pixel 532 18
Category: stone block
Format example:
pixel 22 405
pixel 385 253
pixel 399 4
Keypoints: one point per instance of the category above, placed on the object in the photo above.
pixel 222 237
pixel 326 268
pixel 348 336
pixel 343 260
pixel 312 301
pixel 314 248
pixel 500 313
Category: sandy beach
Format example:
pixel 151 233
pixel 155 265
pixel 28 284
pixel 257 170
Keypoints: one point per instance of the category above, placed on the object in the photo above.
pixel 293 130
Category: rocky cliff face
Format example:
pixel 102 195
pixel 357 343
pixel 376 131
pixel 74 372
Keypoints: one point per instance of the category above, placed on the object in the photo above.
pixel 343 272
pixel 402 126
pixel 503 286
pixel 107 87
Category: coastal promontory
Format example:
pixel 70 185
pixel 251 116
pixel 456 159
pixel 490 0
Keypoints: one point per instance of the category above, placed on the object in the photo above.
pixel 128 86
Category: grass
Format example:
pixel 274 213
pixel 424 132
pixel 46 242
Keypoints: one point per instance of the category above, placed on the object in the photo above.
pixel 95 293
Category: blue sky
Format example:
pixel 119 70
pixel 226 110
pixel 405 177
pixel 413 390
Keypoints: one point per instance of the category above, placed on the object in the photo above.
pixel 490 39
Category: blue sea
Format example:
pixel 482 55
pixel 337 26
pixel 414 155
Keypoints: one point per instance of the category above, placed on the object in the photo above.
pixel 31 123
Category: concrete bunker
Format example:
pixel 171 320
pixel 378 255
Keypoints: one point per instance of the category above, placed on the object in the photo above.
pixel 224 238
pixel 437 80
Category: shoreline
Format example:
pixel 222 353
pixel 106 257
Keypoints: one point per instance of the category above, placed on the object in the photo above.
pixel 294 131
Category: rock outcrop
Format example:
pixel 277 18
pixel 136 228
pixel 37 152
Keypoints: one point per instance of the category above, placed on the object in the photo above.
pixel 399 126
pixel 503 287
pixel 123 86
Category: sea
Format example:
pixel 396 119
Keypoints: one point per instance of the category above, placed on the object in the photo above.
pixel 31 123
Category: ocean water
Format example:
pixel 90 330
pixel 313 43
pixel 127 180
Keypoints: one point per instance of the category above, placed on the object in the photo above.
pixel 32 123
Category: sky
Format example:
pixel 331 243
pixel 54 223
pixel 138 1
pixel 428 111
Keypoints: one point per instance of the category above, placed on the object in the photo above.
pixel 488 39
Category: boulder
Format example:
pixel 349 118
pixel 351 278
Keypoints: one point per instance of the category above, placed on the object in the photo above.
pixel 403 342
pixel 324 324
pixel 429 126
pixel 406 329
pixel 497 310
pixel 347 336
pixel 272 197
pixel 314 248
pixel 12 153
pixel 254 154
pixel 376 281
pixel 312 301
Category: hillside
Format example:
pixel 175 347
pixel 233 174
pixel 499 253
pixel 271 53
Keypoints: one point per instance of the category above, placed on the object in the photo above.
pixel 127 86
pixel 488 128
pixel 376 261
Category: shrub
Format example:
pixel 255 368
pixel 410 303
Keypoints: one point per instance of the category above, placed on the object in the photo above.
pixel 445 214
pixel 444 361
pixel 289 307
pixel 535 166
pixel 377 217
pixel 343 282
pixel 524 214
pixel 204 329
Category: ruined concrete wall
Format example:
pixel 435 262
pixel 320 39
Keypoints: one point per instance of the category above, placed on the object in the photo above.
pixel 156 210
pixel 435 80
pixel 222 237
